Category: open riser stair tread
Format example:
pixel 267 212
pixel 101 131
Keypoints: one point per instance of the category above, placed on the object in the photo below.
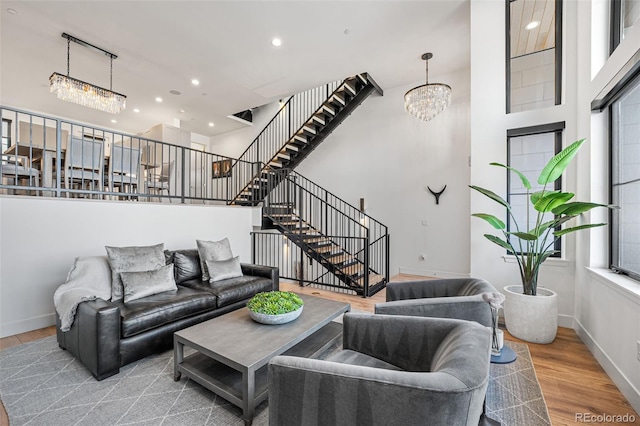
pixel 353 269
pixel 346 266
pixel 373 280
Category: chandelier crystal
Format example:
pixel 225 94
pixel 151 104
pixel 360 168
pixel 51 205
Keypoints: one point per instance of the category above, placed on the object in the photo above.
pixel 73 90
pixel 426 101
pixel 86 94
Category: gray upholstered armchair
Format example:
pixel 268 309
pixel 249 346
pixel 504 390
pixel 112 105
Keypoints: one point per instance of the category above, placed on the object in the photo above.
pixel 393 370
pixel 459 298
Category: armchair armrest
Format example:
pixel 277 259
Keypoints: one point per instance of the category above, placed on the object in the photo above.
pixel 94 337
pixel 470 308
pixel 263 271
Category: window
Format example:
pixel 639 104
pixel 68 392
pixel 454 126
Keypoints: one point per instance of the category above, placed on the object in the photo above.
pixel 6 134
pixel 534 54
pixel 529 149
pixel 625 180
pixel 625 14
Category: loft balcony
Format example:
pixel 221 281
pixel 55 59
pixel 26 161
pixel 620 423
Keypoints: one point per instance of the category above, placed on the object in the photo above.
pixel 44 156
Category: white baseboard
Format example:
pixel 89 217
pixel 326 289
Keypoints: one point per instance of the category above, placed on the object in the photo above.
pixel 432 273
pixel 618 377
pixel 29 324
pixel 566 321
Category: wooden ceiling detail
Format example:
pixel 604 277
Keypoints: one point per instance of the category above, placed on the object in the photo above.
pixel 542 37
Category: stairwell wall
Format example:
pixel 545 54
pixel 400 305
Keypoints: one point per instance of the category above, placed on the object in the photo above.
pixel 384 155
pixel 233 144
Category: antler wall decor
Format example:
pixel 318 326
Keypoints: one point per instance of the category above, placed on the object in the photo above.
pixel 437 194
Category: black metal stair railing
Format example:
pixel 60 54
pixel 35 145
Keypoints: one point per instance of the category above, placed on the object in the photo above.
pixel 282 127
pixel 347 243
pixel 302 122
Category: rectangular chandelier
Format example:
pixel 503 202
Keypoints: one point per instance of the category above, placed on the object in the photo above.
pixel 86 94
pixel 73 90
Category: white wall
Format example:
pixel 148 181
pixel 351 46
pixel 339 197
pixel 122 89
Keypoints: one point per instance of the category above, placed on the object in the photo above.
pixel 40 238
pixel 489 124
pixel 384 155
pixel 233 144
pixel 607 315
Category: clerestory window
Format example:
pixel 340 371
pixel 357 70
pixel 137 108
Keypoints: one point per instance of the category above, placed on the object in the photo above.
pixel 534 54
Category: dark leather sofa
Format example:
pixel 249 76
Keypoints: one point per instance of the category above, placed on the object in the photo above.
pixel 107 335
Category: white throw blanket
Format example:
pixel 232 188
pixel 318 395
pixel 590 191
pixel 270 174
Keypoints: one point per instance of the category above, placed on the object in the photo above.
pixel 89 278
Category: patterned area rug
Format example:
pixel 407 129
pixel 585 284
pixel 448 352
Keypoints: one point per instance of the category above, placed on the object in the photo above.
pixel 40 384
pixel 514 396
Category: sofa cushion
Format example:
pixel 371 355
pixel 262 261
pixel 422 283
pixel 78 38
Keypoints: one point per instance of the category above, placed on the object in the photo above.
pixel 186 264
pixel 132 259
pixel 233 289
pixel 162 308
pixel 147 283
pixel 222 269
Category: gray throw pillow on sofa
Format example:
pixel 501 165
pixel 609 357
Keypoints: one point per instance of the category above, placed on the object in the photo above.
pixel 224 269
pixel 212 250
pixel 146 283
pixel 132 259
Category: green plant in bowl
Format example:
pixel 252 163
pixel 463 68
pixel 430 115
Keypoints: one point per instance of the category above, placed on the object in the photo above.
pixel 281 306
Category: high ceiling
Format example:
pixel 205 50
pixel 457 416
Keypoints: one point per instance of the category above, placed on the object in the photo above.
pixel 163 45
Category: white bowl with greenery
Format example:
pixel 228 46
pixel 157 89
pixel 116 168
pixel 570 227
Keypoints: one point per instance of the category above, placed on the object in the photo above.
pixel 275 307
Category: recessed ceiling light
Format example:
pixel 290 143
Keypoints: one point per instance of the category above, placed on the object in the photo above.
pixel 114 121
pixel 136 110
pixel 158 99
pixel 533 24
pixel 181 111
pixel 347 31
pixel 12 11
pixel 276 42
pixel 211 124
pixel 195 81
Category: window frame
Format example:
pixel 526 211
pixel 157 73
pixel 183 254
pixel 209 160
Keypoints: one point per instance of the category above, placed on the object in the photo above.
pixel 558 53
pixel 6 136
pixel 557 128
pixel 631 82
pixel 615 25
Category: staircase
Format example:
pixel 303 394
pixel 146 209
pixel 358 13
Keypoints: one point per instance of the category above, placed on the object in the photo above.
pixel 350 246
pixel 338 246
pixel 300 125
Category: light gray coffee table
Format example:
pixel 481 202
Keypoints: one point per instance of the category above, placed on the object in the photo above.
pixel 232 351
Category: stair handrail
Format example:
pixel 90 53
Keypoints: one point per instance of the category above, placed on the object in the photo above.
pixel 255 140
pixel 252 154
pixel 361 213
pixel 286 173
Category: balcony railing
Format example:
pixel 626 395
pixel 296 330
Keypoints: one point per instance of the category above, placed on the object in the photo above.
pixel 47 156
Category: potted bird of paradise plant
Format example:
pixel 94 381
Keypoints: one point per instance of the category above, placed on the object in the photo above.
pixel 531 312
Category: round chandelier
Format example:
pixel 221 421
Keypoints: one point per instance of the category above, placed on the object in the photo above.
pixel 430 99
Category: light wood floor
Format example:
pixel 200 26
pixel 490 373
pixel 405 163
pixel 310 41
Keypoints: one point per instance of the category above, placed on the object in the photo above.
pixel 571 379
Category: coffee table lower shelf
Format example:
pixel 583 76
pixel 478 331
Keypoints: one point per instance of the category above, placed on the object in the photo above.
pixel 232 384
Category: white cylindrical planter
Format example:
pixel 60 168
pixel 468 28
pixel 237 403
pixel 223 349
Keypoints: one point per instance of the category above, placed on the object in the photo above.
pixel 531 318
